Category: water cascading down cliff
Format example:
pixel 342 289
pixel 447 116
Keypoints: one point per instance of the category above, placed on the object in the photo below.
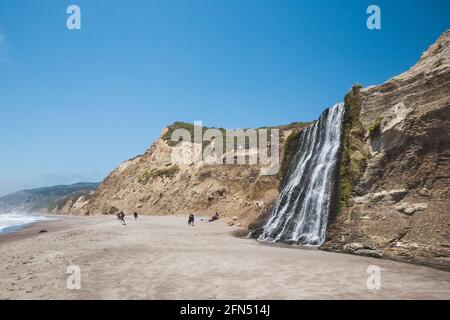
pixel 300 214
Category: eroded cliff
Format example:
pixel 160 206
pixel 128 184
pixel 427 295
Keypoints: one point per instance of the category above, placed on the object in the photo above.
pixel 399 206
pixel 153 184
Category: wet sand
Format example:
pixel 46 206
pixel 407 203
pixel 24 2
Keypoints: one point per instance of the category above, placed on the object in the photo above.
pixel 162 258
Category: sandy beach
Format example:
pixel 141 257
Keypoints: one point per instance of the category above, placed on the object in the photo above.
pixel 160 257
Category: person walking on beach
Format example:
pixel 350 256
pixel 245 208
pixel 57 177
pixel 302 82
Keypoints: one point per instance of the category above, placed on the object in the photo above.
pixel 135 216
pixel 122 217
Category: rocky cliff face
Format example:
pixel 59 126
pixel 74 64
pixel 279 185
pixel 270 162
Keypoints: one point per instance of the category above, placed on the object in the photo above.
pixel 74 202
pixel 399 208
pixel 152 184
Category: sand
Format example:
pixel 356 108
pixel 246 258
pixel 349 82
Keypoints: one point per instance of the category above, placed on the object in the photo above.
pixel 162 258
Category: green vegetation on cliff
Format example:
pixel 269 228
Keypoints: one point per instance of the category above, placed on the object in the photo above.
pixel 165 172
pixel 354 152
pixel 183 125
pixel 291 144
pixel 190 128
pixel 375 128
pixel 291 126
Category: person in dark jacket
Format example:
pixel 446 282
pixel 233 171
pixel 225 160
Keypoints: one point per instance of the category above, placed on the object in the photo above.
pixel 191 220
pixel 122 217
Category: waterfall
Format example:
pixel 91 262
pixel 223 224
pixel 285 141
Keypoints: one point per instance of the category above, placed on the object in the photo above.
pixel 300 214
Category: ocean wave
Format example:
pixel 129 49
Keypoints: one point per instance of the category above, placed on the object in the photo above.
pixel 12 221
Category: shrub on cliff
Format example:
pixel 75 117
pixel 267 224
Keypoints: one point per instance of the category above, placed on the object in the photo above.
pixel 354 153
pixel 375 128
pixel 291 144
pixel 165 172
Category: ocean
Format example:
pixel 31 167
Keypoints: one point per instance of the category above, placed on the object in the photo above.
pixel 11 222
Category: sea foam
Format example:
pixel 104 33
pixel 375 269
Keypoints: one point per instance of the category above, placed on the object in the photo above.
pixel 10 222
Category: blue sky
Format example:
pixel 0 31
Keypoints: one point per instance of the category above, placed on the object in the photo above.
pixel 75 104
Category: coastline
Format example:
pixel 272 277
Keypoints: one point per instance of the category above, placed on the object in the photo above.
pixel 160 257
pixel 32 229
pixel 60 223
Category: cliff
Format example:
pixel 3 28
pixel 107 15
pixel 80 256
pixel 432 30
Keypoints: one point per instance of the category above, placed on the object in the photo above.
pixel 152 184
pixel 398 206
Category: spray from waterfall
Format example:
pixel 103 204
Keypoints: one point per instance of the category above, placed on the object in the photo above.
pixel 300 214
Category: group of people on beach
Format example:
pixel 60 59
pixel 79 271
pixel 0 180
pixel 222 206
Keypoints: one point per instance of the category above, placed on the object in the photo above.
pixel 191 219
pixel 121 217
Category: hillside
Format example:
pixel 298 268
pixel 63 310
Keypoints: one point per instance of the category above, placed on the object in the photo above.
pixel 151 184
pixel 39 200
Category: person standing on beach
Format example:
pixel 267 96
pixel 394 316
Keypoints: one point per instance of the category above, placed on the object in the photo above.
pixel 191 220
pixel 122 218
pixel 135 216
